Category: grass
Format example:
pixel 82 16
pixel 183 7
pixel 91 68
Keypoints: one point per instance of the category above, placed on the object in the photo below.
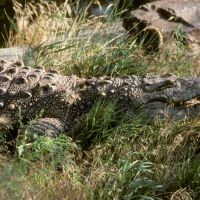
pixel 104 157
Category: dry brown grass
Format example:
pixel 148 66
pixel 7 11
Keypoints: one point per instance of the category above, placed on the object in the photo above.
pixel 41 22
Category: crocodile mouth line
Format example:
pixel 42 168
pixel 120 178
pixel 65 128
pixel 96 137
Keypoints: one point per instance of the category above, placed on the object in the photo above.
pixel 186 104
pixel 181 104
pixel 189 103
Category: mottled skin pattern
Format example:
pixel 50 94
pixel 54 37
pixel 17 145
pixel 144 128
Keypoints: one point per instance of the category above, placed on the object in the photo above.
pixel 26 93
pixel 55 102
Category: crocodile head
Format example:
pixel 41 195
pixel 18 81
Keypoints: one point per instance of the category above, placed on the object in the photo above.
pixel 154 96
pixel 176 98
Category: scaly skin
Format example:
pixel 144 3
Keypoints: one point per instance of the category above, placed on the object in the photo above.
pixel 57 102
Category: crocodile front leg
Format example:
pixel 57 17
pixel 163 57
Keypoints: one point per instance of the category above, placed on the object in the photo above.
pixel 50 127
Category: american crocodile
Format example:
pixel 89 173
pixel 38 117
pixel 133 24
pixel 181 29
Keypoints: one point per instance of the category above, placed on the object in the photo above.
pixel 57 102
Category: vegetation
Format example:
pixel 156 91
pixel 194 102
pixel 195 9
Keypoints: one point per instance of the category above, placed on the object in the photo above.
pixel 104 157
